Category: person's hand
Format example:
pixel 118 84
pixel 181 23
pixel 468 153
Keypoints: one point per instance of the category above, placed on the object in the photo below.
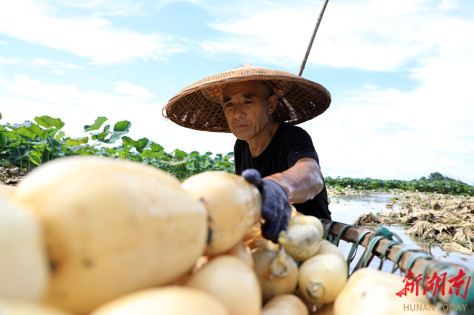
pixel 276 209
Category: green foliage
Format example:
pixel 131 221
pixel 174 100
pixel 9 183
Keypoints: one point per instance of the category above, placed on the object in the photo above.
pixel 30 144
pixel 439 185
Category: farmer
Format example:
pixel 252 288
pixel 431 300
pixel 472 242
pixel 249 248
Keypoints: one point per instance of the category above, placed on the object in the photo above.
pixel 260 107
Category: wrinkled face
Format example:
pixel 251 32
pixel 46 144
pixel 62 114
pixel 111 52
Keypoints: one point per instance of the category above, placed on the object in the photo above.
pixel 248 108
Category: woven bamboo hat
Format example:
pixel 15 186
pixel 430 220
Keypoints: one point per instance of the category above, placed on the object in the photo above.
pixel 198 106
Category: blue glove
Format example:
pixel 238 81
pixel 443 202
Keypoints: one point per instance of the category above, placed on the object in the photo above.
pixel 276 209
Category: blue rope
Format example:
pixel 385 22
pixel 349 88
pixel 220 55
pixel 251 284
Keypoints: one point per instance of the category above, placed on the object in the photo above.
pixel 368 254
pixel 413 257
pixel 354 247
pixel 344 228
pixel 384 252
pixel 401 251
pixel 326 234
pixel 388 234
pixel 380 233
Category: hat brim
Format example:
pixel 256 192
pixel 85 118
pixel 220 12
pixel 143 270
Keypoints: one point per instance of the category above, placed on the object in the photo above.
pixel 197 106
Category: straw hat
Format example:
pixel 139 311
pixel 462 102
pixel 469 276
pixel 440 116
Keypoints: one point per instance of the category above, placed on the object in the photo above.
pixel 198 106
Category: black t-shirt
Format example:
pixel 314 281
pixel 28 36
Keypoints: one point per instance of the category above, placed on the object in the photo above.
pixel 289 144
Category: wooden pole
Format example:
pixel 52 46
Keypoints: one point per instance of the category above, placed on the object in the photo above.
pixel 312 37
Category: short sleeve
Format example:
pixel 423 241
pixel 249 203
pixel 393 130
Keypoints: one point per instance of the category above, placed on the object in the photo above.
pixel 300 146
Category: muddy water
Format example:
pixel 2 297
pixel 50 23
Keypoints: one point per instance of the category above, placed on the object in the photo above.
pixel 347 208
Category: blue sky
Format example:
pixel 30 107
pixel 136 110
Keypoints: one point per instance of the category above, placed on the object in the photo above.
pixel 399 72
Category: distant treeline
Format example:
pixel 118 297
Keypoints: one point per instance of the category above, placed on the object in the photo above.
pixel 435 182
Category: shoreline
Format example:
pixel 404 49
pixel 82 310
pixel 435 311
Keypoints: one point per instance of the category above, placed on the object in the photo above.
pixel 443 220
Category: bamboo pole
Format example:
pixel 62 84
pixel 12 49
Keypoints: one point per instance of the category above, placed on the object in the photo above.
pixel 312 37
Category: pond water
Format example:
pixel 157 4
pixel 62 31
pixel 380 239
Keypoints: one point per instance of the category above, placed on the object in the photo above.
pixel 347 209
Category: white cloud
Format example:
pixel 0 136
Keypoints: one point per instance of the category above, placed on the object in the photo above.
pixel 9 60
pixel 56 64
pixel 35 89
pixel 373 35
pixel 40 62
pixel 59 72
pixel 397 135
pixel 103 7
pixel 136 92
pixel 89 37
pixel 448 4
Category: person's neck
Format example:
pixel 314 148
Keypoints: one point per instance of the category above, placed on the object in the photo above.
pixel 258 144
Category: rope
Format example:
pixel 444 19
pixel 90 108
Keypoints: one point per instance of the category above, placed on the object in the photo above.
pixel 380 233
pixel 413 257
pixel 354 247
pixel 401 251
pixel 368 254
pixel 312 37
pixel 344 228
pixel 383 256
pixel 326 234
pixel 383 231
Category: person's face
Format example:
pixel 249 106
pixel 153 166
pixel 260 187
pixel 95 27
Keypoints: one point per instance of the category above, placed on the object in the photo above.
pixel 247 108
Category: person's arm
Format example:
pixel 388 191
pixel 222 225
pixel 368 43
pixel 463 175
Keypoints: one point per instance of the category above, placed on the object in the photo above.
pixel 302 181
